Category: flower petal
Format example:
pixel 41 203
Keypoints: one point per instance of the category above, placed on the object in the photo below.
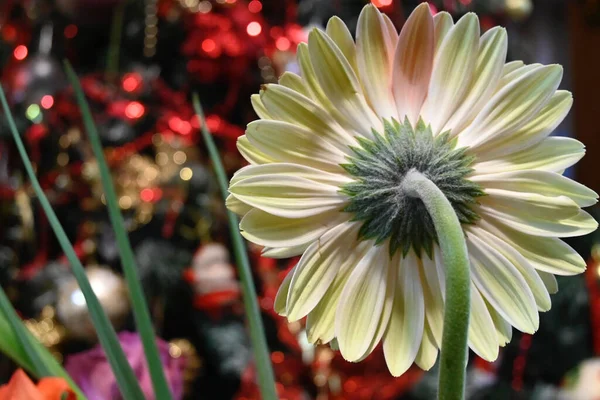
pixel 405 331
pixel 317 268
pixel 511 66
pixel 538 128
pixel 309 76
pixel 279 305
pixel 514 74
pixel 550 255
pixel 553 154
pixel 492 54
pixel 503 328
pixel 237 206
pixel 339 33
pixel 413 62
pixel 284 252
pixel 259 107
pixel 269 230
pixel 340 84
pixel 540 182
pixel 293 143
pixel 482 337
pixel 294 82
pixel 549 281
pixel 433 279
pixel 374 54
pixel 512 108
pixel 428 351
pixel 502 285
pixel 361 304
pixel 452 71
pixel 530 205
pixel 442 23
pixel 251 153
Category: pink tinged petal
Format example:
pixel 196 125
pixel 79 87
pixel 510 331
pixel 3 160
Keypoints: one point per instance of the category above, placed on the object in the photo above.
pixel 392 33
pixel 279 305
pixel 287 105
pixel 482 333
pixel 284 252
pixel 269 230
pixel 405 331
pixel 492 54
pixel 503 328
pixel 553 154
pixel 537 129
pixel 534 281
pixel 502 285
pixel 373 46
pixel 442 22
pixel 434 297
pixel 453 68
pixel 340 84
pixel 428 351
pixel 259 107
pixel 320 323
pixel 237 206
pixel 543 183
pixel 293 143
pixel 550 255
pixel 360 312
pixel 251 153
pixel 294 82
pixel 413 62
pixel 317 269
pixel 511 108
pixel 339 33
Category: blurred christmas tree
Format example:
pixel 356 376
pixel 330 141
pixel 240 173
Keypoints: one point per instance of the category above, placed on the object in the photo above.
pixel 138 62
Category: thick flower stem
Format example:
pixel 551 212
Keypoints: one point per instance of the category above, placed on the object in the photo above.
pixel 454 253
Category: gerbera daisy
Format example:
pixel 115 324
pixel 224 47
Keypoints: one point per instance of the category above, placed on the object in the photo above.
pixel 333 149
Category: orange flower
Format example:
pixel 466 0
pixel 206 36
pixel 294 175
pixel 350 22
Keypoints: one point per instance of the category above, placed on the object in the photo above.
pixel 21 387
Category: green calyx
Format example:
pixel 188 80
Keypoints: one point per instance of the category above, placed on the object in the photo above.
pixel 379 166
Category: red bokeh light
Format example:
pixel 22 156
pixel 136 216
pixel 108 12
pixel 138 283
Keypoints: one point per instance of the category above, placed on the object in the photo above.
pixel 131 82
pixel 20 52
pixel 382 3
pixel 9 33
pixel 70 31
pixel 47 101
pixel 283 43
pixel 254 28
pixel 134 110
pixel 254 6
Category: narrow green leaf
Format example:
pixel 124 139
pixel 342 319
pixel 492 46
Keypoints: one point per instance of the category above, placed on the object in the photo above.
pixel 266 380
pixel 139 305
pixel 130 389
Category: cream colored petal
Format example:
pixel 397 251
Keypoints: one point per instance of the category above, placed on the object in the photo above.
pixel 553 154
pixel 361 305
pixel 292 143
pixel 237 206
pixel 413 62
pixel 405 331
pixel 290 106
pixel 512 75
pixel 259 107
pixel 542 124
pixel 284 252
pixel 340 84
pixel 339 33
pixel 433 281
pixel 251 153
pixel 502 285
pixel 317 269
pixel 373 46
pixel 549 281
pixel 503 328
pixel 442 22
pixel 526 205
pixel 282 293
pixel 511 108
pixel 488 68
pixel 511 66
pixel 452 72
pixel 428 351
pixel 307 72
pixel 579 225
pixel 550 255
pixel 482 333
pixel 268 230
pixel 320 323
pixel 541 182
pixel 294 82
pixel 534 281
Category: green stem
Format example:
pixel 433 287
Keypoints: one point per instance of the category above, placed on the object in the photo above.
pixel 458 283
pixel 266 381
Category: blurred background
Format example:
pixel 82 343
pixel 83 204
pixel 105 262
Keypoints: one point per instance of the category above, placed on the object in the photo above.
pixel 139 61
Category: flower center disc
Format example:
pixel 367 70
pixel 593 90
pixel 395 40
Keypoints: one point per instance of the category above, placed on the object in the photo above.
pixel 379 167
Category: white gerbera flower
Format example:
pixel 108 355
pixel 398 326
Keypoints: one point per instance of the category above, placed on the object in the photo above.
pixel 329 155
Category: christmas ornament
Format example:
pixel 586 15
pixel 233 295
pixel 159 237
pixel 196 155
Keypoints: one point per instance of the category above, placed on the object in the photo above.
pixel 518 9
pixel 47 330
pixel 584 382
pixel 72 309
